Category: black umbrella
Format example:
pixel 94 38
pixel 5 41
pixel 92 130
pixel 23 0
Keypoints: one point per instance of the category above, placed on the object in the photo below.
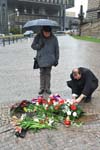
pixel 38 23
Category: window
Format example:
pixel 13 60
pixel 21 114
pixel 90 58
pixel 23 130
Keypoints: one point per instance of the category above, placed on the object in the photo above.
pixel 98 15
pixel 70 2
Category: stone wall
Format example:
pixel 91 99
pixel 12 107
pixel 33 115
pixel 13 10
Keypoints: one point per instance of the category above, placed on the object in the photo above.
pixel 91 29
pixel 93 4
pixel 93 9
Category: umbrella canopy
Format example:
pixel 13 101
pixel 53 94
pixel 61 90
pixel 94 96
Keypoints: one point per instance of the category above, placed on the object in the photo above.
pixel 38 23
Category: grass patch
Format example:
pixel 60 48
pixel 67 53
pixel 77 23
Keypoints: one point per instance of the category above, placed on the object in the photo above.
pixel 12 36
pixel 87 38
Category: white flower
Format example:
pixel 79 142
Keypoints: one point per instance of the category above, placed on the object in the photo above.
pixel 74 114
pixel 50 122
pixel 55 103
pixel 36 119
pixel 49 99
pixel 68 112
pixel 70 102
pixel 23 116
pixel 45 106
pixel 66 108
pixel 37 103
pixel 66 101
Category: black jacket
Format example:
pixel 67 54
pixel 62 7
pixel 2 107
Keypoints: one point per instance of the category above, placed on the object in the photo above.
pixel 87 84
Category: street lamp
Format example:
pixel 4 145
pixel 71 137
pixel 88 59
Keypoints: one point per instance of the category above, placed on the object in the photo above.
pixel 81 18
pixel 16 12
pixel 62 15
pixel 3 19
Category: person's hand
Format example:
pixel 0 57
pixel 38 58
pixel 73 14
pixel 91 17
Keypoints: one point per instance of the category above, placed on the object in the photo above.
pixel 73 97
pixel 78 100
pixel 75 101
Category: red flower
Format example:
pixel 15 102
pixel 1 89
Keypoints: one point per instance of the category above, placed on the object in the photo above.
pixel 40 98
pixel 51 96
pixel 39 101
pixel 44 101
pixel 67 122
pixel 73 107
pixel 50 102
pixel 53 100
pixel 24 103
pixel 56 107
pixel 61 101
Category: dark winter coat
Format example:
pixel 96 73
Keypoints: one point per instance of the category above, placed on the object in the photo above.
pixel 47 50
pixel 86 85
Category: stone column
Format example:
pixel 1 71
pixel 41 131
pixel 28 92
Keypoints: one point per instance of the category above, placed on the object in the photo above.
pixel 3 17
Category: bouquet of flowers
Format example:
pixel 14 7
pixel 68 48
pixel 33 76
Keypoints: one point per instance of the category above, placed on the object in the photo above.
pixel 41 114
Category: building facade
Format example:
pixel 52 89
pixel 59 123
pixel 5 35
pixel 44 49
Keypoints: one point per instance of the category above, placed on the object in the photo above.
pixel 18 12
pixel 93 11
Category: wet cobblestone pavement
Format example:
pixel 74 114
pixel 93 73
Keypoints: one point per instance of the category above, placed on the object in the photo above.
pixel 17 82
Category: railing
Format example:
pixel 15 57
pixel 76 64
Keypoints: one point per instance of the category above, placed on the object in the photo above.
pixel 45 1
pixel 7 40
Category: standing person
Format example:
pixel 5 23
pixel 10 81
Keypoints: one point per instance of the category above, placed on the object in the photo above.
pixel 47 48
pixel 83 83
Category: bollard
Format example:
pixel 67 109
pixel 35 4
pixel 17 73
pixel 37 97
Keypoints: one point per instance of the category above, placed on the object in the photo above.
pixel 16 39
pixel 9 40
pixel 13 39
pixel 21 39
pixel 3 41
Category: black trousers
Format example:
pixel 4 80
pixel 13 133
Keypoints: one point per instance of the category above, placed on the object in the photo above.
pixel 45 78
pixel 78 88
pixel 75 87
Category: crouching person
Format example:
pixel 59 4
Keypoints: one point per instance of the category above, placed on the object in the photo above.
pixel 83 83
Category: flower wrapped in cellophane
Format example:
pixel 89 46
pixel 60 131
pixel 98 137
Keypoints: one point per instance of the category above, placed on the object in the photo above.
pixel 40 113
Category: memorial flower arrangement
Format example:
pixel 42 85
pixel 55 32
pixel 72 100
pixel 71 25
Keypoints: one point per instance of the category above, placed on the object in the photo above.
pixel 44 114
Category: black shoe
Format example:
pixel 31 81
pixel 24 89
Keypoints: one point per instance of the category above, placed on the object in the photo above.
pixel 48 91
pixel 87 99
pixel 41 92
pixel 22 134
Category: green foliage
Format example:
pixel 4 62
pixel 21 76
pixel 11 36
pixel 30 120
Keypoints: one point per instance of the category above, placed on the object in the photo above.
pixel 15 30
pixel 29 123
pixel 87 38
pixel 45 114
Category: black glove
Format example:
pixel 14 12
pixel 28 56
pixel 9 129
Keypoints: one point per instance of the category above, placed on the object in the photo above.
pixel 56 63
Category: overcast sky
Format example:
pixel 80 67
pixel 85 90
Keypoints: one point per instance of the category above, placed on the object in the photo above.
pixel 76 9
